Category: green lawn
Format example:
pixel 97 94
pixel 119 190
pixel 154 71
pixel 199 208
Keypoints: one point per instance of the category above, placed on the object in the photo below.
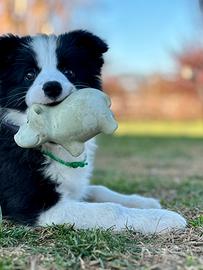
pixel 162 128
pixel 169 168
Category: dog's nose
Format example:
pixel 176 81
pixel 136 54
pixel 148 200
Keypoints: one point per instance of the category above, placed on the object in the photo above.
pixel 52 89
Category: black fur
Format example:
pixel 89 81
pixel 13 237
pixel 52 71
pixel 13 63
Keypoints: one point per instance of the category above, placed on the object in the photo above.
pixel 82 52
pixel 24 191
pixel 16 59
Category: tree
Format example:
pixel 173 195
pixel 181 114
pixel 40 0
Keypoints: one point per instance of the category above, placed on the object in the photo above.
pixel 35 16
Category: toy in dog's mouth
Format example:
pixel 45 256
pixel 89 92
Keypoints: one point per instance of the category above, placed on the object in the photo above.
pixel 87 113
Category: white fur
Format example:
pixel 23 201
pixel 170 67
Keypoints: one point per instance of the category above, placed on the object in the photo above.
pixel 74 188
pixel 45 50
pixel 72 182
pixel 15 117
pixel 103 194
pixel 106 215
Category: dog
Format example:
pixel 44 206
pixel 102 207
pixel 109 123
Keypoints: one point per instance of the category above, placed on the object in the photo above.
pixel 35 189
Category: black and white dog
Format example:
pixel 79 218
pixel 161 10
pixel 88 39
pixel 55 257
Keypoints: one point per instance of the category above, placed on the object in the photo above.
pixel 36 190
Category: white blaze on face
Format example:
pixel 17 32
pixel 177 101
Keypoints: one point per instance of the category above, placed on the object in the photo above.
pixel 45 50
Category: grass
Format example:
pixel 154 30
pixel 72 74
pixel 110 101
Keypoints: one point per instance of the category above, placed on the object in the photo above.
pixel 163 128
pixel 169 168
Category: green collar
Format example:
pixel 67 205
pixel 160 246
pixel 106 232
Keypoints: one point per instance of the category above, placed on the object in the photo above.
pixel 74 164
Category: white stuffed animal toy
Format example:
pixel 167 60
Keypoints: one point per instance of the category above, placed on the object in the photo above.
pixel 81 116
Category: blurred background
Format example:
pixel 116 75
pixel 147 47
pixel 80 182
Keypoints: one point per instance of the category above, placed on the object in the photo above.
pixel 154 68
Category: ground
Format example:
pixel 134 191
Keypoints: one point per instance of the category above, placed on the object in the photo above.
pixel 169 168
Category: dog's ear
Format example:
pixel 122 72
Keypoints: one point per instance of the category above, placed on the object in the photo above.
pixel 8 46
pixel 86 40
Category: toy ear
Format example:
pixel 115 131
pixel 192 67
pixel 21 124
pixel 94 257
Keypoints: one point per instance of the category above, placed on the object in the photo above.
pixel 38 109
pixel 108 100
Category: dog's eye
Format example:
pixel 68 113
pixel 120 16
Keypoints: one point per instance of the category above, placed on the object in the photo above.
pixel 68 73
pixel 30 75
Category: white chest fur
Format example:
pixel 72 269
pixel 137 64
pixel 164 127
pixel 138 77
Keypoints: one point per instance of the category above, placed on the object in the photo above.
pixel 72 182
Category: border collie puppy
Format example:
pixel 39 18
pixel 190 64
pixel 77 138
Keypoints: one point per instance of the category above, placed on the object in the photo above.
pixel 36 189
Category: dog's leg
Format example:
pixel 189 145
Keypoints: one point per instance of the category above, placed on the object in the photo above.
pixel 106 215
pixel 103 194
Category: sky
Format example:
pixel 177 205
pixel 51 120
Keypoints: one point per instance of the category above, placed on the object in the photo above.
pixel 142 34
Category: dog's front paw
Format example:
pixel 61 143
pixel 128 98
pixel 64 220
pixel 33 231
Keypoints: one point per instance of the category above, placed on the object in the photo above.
pixel 136 201
pixel 154 221
pixel 163 221
pixel 170 221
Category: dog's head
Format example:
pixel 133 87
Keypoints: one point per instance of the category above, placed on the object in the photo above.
pixel 47 68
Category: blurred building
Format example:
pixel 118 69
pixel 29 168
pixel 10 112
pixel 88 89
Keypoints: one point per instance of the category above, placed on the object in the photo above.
pixel 160 97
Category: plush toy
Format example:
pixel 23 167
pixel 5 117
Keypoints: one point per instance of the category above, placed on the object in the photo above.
pixel 81 116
